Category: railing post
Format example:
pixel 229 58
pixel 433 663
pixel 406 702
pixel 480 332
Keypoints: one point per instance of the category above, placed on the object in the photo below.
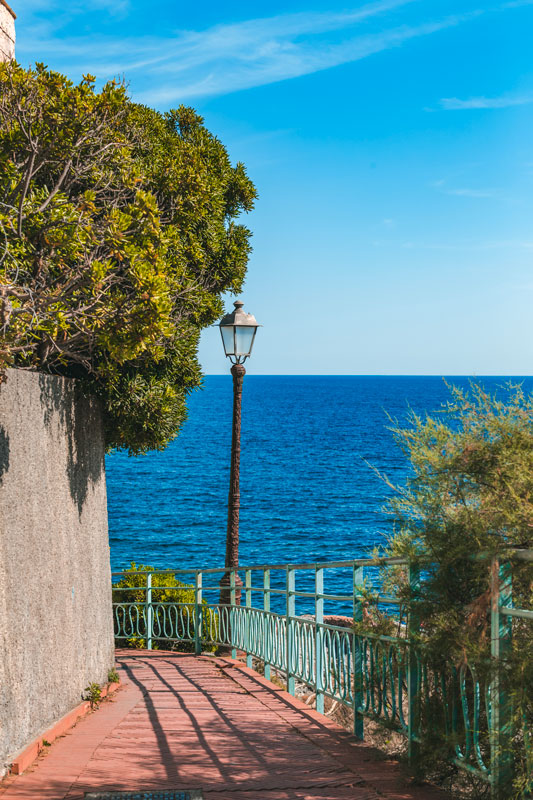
pixel 319 638
pixel 358 718
pixel 198 613
pixel 149 611
pixel 413 671
pixel 500 705
pixel 248 591
pixel 231 611
pixel 290 612
pixel 266 618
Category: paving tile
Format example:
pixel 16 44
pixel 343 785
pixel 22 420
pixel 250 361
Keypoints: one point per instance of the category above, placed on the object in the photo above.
pixel 188 722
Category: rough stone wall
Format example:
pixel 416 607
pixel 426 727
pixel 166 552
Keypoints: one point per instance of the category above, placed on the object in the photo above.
pixel 56 631
pixel 7 32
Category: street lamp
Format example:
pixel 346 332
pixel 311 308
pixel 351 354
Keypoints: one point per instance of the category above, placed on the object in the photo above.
pixel 238 331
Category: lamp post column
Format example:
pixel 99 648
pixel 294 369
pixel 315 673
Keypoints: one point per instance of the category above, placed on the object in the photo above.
pixel 234 497
pixel 238 331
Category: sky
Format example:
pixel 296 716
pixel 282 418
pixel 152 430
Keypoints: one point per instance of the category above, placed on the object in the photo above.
pixel 390 144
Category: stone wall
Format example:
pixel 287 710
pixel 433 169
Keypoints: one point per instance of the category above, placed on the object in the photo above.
pixel 7 32
pixel 55 585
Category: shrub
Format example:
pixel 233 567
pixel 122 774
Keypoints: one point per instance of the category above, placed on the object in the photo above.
pixel 469 498
pixel 173 611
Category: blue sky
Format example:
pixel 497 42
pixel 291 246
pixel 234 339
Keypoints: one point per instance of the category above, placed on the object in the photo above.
pixel 391 145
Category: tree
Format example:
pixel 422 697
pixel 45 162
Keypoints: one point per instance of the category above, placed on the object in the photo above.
pixel 469 498
pixel 470 490
pixel 118 236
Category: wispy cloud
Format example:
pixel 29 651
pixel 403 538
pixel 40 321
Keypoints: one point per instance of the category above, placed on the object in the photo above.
pixel 472 192
pixel 231 57
pixel 442 186
pixel 505 101
pixel 256 59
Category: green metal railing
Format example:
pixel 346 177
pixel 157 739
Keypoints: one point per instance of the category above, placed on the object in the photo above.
pixel 385 677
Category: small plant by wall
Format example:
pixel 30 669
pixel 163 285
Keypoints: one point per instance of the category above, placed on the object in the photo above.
pixel 113 676
pixel 93 693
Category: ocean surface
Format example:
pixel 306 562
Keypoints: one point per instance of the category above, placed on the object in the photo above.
pixel 308 490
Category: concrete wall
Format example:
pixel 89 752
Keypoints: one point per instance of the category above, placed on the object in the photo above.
pixel 55 585
pixel 7 32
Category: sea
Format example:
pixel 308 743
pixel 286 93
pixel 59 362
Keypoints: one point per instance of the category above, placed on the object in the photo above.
pixel 315 450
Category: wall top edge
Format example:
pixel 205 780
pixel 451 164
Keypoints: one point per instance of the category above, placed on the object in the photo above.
pixel 3 3
pixel 23 371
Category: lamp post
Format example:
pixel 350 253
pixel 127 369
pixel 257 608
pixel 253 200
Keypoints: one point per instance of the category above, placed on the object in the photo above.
pixel 238 331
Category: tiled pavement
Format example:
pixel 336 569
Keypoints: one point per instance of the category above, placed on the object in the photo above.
pixel 208 723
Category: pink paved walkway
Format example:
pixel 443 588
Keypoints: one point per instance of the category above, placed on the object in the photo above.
pixel 184 722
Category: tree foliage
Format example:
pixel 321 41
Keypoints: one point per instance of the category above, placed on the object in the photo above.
pixel 469 499
pixel 470 491
pixel 118 235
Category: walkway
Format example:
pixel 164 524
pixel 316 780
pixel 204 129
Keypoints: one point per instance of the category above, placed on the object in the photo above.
pixel 186 722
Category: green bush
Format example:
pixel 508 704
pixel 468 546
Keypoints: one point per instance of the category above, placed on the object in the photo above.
pixel 166 589
pixel 469 497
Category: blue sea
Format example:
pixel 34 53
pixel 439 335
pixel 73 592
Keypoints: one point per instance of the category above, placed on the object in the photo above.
pixel 311 446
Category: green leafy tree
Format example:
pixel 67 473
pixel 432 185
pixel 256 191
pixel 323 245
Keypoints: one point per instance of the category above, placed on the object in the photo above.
pixel 118 236
pixel 469 498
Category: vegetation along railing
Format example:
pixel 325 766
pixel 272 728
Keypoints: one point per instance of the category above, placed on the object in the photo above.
pixel 281 621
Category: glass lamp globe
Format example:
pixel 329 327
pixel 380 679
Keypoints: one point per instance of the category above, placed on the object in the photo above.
pixel 238 331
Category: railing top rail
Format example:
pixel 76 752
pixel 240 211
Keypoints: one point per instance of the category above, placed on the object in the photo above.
pixel 522 555
pixel 356 562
